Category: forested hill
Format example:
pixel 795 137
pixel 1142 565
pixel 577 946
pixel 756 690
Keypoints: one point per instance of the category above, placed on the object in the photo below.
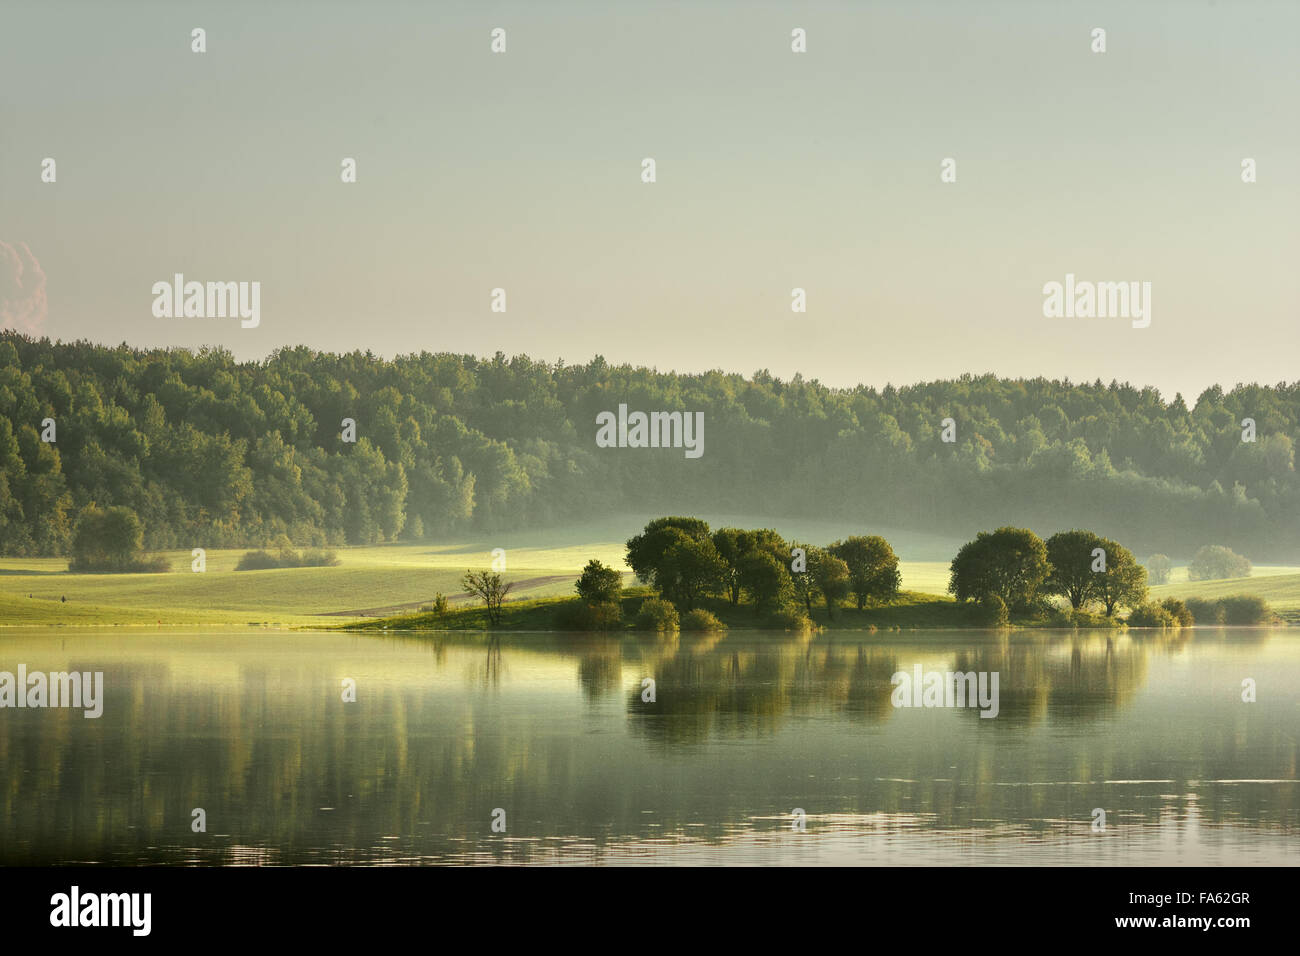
pixel 209 450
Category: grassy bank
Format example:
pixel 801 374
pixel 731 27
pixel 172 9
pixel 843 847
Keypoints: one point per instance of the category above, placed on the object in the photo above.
pixel 912 611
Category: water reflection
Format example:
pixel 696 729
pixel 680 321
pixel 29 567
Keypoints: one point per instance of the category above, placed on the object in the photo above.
pixel 743 728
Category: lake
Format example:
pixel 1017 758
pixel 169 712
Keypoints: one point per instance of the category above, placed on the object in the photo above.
pixel 550 736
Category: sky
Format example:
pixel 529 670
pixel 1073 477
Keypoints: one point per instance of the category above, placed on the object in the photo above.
pixel 775 170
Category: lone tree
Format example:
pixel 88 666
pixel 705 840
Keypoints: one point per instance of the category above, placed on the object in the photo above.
pixel 1070 553
pixel 1124 582
pixel 599 584
pixel 1214 561
pixel 873 567
pixel 491 588
pixel 1158 568
pixel 106 539
pixel 1010 563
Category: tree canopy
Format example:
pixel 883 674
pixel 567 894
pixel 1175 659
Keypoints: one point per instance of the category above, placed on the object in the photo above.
pixel 211 451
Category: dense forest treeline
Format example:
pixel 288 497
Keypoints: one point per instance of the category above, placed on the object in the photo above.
pixel 214 452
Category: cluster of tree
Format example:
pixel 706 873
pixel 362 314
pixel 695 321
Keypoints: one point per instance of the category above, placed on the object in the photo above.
pixel 1212 563
pixel 1215 562
pixel 687 562
pixel 214 452
pixel 1014 569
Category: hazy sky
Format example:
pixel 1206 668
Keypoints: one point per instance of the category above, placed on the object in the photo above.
pixel 775 170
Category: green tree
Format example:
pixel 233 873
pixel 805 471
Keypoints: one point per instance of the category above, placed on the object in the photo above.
pixel 1214 562
pixel 873 567
pixel 1010 563
pixel 734 545
pixel 646 551
pixel 1158 568
pixel 731 543
pixel 765 580
pixel 831 576
pixel 599 584
pixel 1070 553
pixel 1124 582
pixel 106 539
pixel 689 570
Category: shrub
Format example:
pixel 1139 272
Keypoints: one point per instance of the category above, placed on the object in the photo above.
pixel 154 565
pixel 1090 619
pixel 287 558
pixel 438 607
pixel 1150 614
pixel 1055 616
pixel 318 558
pixel 257 561
pixel 701 620
pixel 656 614
pixel 790 618
pixel 1178 611
pixel 991 612
pixel 605 617
pixel 1205 611
pixel 577 616
pixel 1245 609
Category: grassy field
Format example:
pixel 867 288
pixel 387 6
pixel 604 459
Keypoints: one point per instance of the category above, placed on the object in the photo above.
pixel 1279 587
pixel 369 581
pixel 393 580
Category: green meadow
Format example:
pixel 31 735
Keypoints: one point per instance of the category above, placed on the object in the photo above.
pixel 387 582
pixel 369 582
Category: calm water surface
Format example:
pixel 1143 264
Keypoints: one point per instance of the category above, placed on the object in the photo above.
pixel 251 727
